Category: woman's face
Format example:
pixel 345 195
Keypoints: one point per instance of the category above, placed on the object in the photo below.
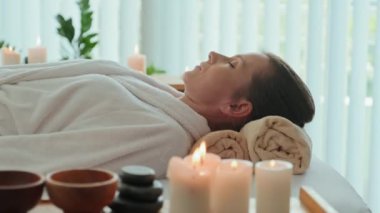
pixel 219 78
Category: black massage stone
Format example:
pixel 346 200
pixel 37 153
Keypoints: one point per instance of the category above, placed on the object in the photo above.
pixel 141 193
pixel 137 175
pixel 128 206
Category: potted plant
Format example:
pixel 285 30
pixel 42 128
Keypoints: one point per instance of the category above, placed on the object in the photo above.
pixel 82 45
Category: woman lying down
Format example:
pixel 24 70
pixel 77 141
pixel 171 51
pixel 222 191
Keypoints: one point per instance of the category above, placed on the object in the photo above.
pixel 100 114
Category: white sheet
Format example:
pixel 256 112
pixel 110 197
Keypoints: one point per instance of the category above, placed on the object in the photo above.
pixel 90 114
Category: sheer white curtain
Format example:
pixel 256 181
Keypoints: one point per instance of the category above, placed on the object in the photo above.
pixel 333 45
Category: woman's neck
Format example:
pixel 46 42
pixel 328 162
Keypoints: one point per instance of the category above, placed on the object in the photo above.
pixel 215 119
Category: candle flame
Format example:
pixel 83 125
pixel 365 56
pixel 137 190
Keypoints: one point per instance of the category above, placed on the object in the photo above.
pixel 202 173
pixel 10 48
pixel 272 163
pixel 196 157
pixel 38 41
pixel 199 155
pixel 187 68
pixel 234 164
pixel 137 49
pixel 202 150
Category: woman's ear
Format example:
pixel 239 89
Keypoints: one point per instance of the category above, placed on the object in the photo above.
pixel 238 109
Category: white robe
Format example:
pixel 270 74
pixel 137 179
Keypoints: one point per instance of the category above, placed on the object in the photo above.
pixel 91 113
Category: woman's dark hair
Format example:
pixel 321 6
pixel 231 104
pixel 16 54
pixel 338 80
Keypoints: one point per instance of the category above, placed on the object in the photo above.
pixel 280 91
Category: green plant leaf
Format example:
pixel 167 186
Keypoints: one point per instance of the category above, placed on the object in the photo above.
pixel 5 44
pixel 66 28
pixel 86 22
pixel 86 16
pixel 86 49
pixel 151 69
pixel 84 5
pixel 87 39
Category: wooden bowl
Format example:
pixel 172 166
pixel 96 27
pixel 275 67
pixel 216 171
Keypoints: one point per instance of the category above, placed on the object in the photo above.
pixel 81 190
pixel 20 191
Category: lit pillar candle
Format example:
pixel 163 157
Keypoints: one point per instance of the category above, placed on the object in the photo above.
pixel 231 187
pixel 273 184
pixel 37 54
pixel 10 56
pixel 190 181
pixel 209 161
pixel 137 61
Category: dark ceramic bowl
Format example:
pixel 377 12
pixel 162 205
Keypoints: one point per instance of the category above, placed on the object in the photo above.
pixel 20 191
pixel 81 190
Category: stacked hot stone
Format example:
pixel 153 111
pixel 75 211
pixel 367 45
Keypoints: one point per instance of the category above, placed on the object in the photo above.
pixel 139 192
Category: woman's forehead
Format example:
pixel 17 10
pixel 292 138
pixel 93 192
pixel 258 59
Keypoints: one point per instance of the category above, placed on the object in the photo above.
pixel 257 57
pixel 255 60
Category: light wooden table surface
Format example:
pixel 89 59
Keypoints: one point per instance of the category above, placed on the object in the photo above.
pixel 47 207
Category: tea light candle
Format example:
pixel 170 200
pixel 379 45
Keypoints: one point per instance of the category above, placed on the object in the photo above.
pixel 273 183
pixel 137 61
pixel 37 54
pixel 231 186
pixel 10 56
pixel 189 182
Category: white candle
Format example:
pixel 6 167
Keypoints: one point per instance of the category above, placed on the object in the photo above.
pixel 189 182
pixel 273 184
pixel 231 187
pixel 137 61
pixel 37 54
pixel 9 56
pixel 209 161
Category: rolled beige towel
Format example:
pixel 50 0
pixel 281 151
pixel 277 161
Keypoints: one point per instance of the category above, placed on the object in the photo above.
pixel 225 143
pixel 275 137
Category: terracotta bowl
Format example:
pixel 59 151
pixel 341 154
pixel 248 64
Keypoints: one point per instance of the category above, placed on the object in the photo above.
pixel 20 191
pixel 81 190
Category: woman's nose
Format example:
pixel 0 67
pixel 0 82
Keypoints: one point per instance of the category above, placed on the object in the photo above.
pixel 212 57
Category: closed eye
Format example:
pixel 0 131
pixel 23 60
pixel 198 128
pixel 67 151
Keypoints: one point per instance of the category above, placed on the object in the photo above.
pixel 231 64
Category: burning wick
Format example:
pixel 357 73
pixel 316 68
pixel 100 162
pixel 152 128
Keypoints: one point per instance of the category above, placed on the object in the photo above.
pixel 234 164
pixel 272 163
pixel 199 155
